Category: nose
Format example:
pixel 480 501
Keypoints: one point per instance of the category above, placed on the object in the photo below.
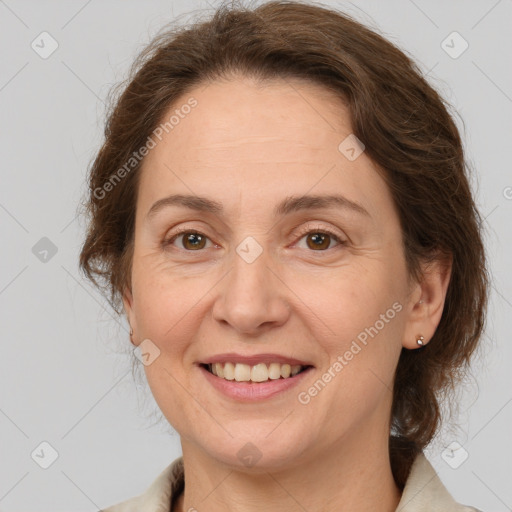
pixel 252 297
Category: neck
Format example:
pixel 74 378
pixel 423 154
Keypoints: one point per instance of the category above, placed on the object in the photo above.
pixel 341 479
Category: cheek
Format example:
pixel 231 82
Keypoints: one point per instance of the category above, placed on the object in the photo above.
pixel 351 298
pixel 358 322
pixel 163 298
pixel 360 316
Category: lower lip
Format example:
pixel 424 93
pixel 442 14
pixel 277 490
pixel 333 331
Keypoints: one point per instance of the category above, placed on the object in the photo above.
pixel 253 391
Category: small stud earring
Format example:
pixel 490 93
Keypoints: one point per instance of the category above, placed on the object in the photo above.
pixel 420 302
pixel 419 341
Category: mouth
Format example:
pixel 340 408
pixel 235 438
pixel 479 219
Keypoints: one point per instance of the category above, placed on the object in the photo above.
pixel 253 378
pixel 257 374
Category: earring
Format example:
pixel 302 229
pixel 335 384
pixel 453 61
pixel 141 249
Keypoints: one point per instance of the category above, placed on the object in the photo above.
pixel 131 334
pixel 419 341
pixel 420 302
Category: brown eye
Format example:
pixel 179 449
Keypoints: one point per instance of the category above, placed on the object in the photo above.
pixel 319 240
pixel 191 240
pixel 194 241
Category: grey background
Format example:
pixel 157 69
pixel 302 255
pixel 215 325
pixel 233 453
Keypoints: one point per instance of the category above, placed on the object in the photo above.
pixel 65 374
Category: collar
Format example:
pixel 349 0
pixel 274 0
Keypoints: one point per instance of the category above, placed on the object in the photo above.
pixel 423 491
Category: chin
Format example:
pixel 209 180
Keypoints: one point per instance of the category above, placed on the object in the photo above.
pixel 254 450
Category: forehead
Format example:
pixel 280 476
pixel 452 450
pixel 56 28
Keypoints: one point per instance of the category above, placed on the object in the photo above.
pixel 267 112
pixel 258 140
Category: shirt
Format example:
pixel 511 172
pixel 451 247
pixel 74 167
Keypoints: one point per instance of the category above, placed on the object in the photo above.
pixel 423 492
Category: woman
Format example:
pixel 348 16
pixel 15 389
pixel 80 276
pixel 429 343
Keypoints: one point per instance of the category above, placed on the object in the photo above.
pixel 282 209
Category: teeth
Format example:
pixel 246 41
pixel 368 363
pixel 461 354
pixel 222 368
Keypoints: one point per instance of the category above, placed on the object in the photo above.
pixel 295 369
pixel 274 371
pixel 229 371
pixel 286 369
pixel 242 372
pixel 219 369
pixel 258 373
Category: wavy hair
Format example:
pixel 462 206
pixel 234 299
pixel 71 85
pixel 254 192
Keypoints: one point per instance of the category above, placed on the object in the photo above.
pixel 408 133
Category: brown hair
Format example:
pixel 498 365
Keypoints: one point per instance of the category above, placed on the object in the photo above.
pixel 405 127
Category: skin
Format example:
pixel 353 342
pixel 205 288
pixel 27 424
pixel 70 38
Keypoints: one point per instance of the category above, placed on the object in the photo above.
pixel 248 146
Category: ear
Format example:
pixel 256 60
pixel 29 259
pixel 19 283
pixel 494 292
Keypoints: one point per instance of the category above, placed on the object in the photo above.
pixel 424 316
pixel 128 308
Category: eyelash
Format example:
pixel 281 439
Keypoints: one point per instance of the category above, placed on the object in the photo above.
pixel 301 234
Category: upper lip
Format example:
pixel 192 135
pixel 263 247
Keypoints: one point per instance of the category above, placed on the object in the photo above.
pixel 254 359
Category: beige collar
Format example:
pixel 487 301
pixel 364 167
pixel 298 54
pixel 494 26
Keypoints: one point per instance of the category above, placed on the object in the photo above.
pixel 423 492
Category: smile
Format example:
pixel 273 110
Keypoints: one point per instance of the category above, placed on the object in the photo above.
pixel 260 372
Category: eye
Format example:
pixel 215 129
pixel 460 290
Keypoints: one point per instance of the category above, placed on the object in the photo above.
pixel 194 240
pixel 319 239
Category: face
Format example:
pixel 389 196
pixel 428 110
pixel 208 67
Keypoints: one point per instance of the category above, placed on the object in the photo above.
pixel 250 274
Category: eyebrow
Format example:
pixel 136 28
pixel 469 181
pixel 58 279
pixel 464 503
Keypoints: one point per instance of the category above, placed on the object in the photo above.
pixel 288 205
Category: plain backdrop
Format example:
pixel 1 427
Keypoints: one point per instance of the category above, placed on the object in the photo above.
pixel 65 366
